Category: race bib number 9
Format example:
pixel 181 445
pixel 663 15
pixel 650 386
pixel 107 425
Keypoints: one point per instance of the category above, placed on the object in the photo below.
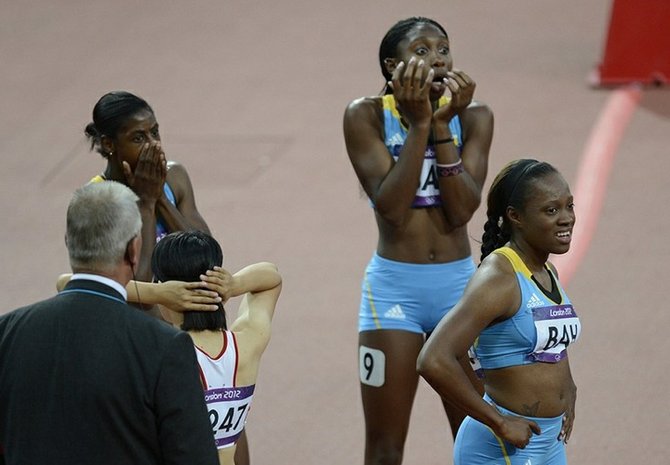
pixel 372 366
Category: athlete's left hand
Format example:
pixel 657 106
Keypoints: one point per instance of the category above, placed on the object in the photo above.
pixel 568 416
pixel 462 89
pixel 184 296
pixel 221 281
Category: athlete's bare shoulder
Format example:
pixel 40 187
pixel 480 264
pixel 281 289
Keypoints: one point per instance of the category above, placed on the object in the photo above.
pixel 374 100
pixel 176 170
pixel 364 107
pixel 479 109
pixel 478 123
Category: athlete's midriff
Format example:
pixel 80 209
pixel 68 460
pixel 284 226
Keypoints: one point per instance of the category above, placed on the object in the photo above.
pixel 536 390
pixel 425 238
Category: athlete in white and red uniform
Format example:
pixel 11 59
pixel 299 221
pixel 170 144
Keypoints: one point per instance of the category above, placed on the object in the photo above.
pixel 229 358
pixel 228 403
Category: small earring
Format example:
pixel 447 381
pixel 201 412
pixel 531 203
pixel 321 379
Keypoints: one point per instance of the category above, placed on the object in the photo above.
pixel 111 153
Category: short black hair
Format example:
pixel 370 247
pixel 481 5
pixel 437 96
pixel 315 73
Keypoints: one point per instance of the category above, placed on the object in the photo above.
pixel 184 256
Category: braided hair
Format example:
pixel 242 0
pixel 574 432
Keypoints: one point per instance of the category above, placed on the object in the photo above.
pixel 509 189
pixel 389 45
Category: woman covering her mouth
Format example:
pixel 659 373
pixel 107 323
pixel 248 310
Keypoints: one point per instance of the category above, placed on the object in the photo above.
pixel 420 152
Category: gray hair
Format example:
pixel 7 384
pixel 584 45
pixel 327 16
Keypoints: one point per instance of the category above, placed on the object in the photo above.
pixel 101 219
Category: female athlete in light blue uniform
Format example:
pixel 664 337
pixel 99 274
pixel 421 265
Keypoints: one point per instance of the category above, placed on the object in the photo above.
pixel 410 296
pixel 519 321
pixel 125 132
pixel 421 154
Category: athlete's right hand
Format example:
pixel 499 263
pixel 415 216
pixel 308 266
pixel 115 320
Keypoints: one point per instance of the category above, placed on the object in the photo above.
pixel 517 430
pixel 411 83
pixel 150 172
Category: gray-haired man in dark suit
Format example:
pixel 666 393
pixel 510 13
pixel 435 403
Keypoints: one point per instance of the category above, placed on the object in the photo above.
pixel 87 379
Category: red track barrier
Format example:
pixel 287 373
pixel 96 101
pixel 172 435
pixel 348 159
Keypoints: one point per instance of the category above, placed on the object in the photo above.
pixel 638 44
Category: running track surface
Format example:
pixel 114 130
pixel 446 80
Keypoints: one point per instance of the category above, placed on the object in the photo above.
pixel 250 97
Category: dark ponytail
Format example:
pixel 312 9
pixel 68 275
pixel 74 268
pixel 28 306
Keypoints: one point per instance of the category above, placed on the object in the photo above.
pixel 493 237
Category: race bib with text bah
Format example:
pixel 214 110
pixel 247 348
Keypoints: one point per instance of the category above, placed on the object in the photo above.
pixel 556 326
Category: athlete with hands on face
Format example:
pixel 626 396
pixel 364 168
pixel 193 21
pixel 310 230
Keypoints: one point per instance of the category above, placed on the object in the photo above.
pixel 125 132
pixel 420 152
pixel 519 322
pixel 416 87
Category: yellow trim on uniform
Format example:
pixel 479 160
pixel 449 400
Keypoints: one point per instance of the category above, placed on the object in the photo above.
pixel 375 317
pixel 388 103
pixel 518 264
pixel 502 447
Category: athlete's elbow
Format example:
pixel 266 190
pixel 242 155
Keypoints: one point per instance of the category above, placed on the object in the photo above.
pixel 428 366
pixel 393 216
pixel 395 221
pixel 458 219
pixel 462 216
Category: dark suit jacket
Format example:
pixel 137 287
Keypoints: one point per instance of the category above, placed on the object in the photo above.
pixel 87 379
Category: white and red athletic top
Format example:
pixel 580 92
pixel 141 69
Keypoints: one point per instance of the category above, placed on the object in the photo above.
pixel 227 404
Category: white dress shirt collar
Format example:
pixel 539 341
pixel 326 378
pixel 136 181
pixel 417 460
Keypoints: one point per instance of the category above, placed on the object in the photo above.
pixel 103 280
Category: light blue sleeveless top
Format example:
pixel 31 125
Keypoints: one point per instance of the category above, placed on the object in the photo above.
pixel 540 331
